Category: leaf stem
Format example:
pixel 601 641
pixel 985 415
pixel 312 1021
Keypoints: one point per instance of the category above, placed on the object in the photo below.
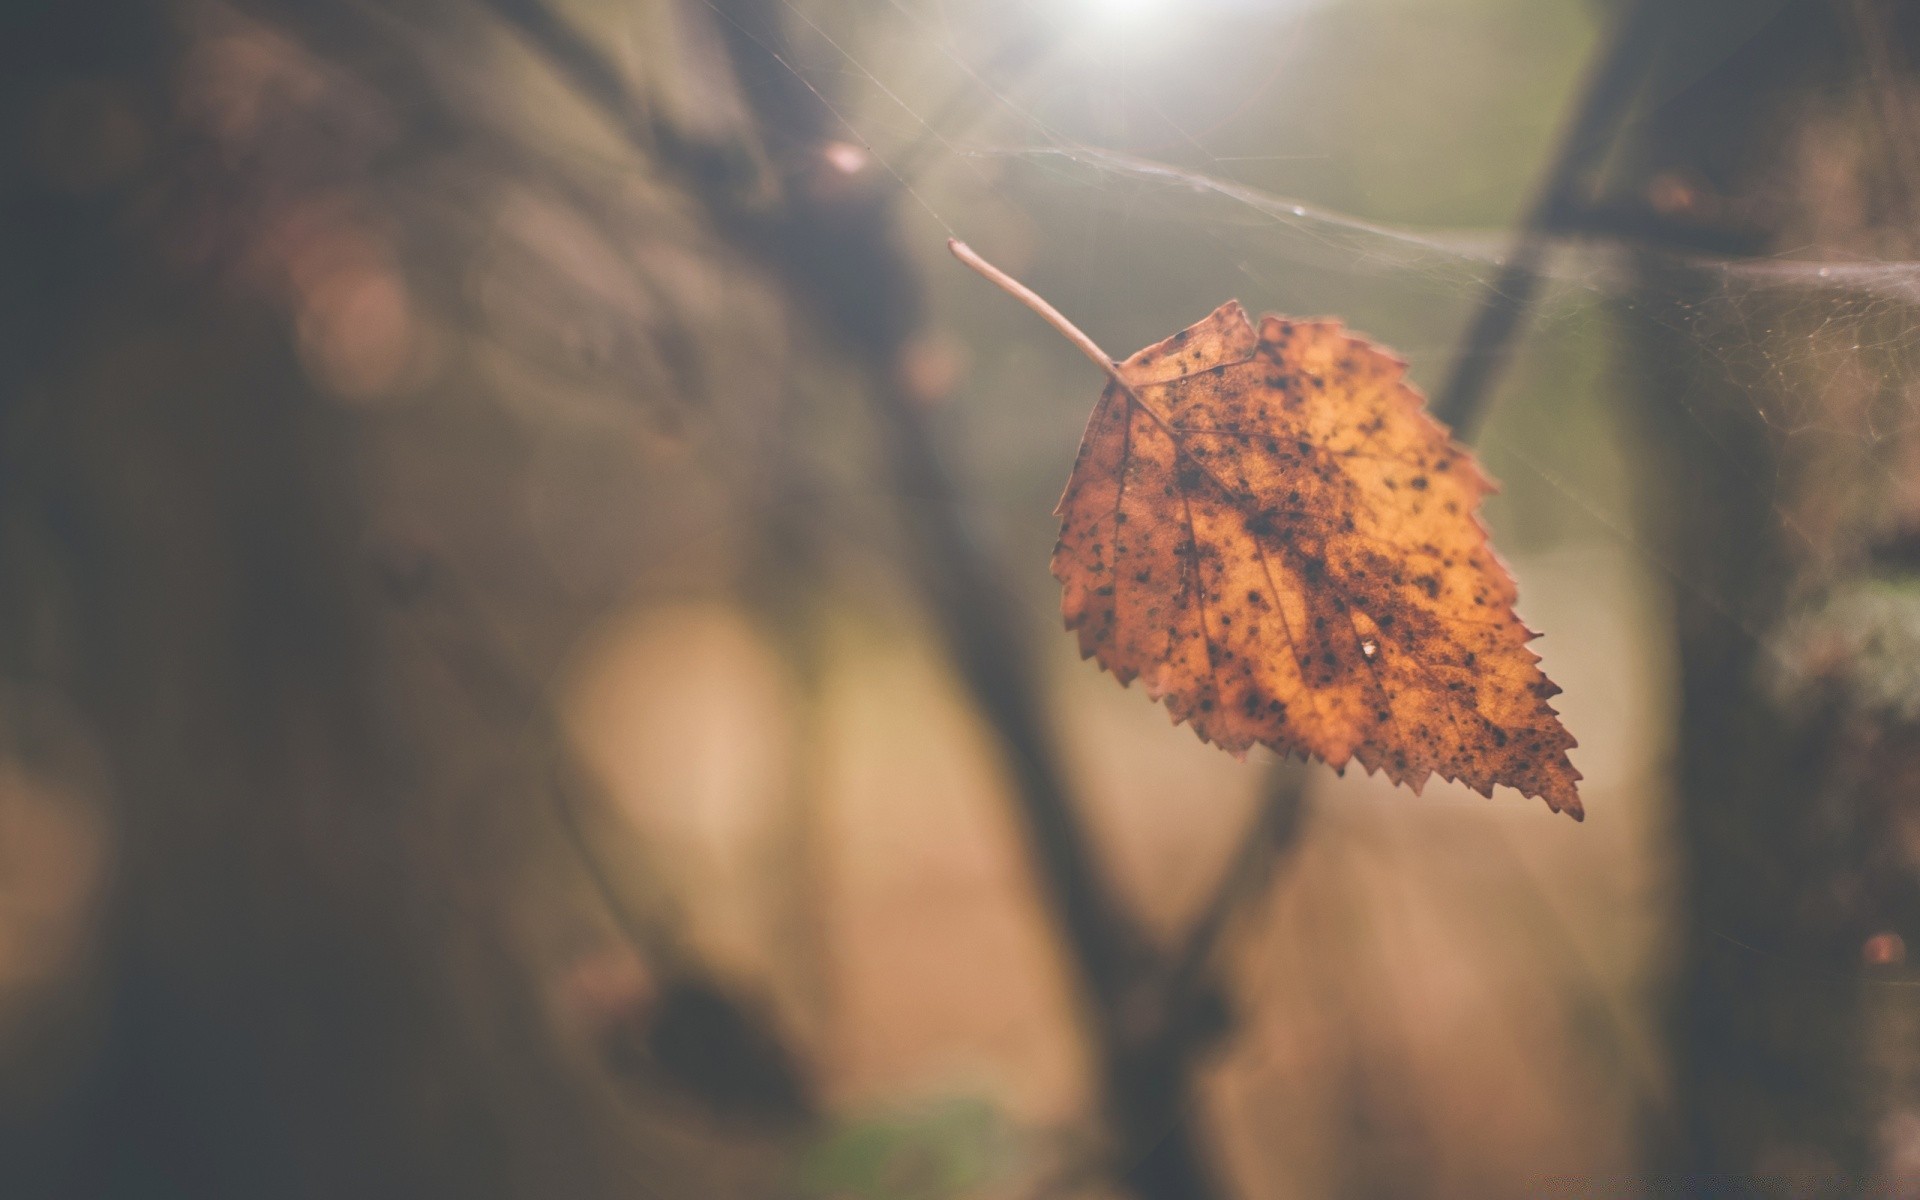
pixel 1046 312
pixel 1052 316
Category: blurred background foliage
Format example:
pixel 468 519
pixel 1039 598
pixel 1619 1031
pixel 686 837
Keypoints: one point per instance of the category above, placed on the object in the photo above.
pixel 527 666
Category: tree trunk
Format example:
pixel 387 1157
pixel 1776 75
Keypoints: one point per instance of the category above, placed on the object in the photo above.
pixel 1775 427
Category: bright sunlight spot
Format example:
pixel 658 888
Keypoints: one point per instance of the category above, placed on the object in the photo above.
pixel 1124 17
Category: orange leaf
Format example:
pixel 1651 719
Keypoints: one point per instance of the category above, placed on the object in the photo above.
pixel 1267 529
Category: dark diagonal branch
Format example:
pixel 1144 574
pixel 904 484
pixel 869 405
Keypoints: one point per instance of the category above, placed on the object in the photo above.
pixel 833 249
pixel 1153 1017
pixel 1275 830
pixel 1612 83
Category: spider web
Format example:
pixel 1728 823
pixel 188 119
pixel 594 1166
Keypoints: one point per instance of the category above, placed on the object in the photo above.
pixel 1103 151
pixel 1137 174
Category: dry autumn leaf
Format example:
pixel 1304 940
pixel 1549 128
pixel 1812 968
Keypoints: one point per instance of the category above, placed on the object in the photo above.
pixel 1266 528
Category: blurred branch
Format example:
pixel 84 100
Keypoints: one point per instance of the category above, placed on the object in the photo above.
pixel 1153 1017
pixel 590 72
pixel 1611 86
pixel 1191 984
pixel 1866 22
pixel 702 1036
pixel 599 80
pixel 1190 988
pixel 834 251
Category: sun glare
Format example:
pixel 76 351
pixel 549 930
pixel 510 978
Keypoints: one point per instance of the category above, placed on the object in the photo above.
pixel 1125 15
